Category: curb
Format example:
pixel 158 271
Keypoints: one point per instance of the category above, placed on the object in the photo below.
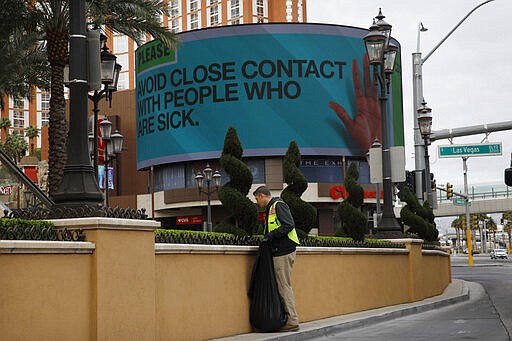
pixel 458 291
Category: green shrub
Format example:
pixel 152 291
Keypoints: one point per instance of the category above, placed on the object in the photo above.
pixel 21 229
pixel 353 222
pixel 208 238
pixel 213 238
pixel 6 223
pixel 304 214
pixel 233 195
pixel 420 219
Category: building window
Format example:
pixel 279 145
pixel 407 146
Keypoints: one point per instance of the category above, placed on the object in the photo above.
pixel 175 25
pixel 330 169
pixel 236 22
pixel 45 101
pixel 18 119
pixel 300 11
pixel 18 113
pixel 193 5
pixel 169 177
pixel 174 9
pixel 260 8
pixel 235 10
pixel 18 103
pixel 45 109
pixel 289 11
pixel 260 11
pixel 120 44
pixel 257 167
pixel 45 118
pixel 214 15
pixel 194 21
pixel 124 81
pixel 122 59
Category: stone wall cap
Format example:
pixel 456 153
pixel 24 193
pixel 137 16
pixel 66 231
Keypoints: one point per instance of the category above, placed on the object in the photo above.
pixel 103 223
pixel 43 246
pixel 435 253
pixel 167 248
pixel 407 240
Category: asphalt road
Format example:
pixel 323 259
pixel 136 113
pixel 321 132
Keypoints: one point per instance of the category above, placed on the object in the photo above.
pixel 487 315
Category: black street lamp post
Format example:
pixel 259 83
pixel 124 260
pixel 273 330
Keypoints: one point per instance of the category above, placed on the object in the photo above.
pixel 208 175
pixel 381 54
pixel 78 187
pixel 425 126
pixel 109 78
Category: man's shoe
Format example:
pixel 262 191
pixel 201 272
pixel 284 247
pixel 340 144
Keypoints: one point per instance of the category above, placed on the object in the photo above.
pixel 289 328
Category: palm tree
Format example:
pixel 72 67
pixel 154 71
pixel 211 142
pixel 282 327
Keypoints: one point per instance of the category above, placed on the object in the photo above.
pixel 23 61
pixel 457 225
pixel 133 18
pixel 15 146
pixel 31 132
pixel 5 124
pixel 493 227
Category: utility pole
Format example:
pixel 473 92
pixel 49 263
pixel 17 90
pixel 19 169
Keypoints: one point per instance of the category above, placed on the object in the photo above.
pixel 417 82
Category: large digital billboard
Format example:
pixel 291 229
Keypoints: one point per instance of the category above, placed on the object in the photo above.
pixel 273 82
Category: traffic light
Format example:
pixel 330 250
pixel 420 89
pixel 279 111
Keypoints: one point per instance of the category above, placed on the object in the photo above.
pixel 449 190
pixel 464 224
pixel 474 221
pixel 433 182
pixel 508 176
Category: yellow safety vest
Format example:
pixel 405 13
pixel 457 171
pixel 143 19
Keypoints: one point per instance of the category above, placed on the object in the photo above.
pixel 274 223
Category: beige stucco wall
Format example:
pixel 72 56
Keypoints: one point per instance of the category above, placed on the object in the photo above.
pixel 326 281
pixel 119 285
pixel 45 296
pixel 202 296
pixel 330 284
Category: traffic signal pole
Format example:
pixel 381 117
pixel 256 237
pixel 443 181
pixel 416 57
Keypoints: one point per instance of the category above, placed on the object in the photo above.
pixel 468 228
pixel 449 195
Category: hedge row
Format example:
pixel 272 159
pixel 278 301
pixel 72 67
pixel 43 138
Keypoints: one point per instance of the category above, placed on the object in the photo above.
pixel 198 237
pixel 21 229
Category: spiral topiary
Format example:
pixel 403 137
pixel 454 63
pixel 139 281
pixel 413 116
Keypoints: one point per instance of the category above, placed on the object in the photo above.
pixel 353 221
pixel 304 214
pixel 420 219
pixel 233 195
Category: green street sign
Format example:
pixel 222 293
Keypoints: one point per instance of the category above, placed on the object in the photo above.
pixel 460 202
pixel 466 150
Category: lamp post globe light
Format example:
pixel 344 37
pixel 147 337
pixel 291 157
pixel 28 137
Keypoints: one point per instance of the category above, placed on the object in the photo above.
pixel 381 55
pixel 204 180
pixel 425 126
pixel 109 70
pixel 113 148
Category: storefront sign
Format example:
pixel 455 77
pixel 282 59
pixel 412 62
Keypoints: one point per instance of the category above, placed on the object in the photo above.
pixel 189 220
pixel 338 192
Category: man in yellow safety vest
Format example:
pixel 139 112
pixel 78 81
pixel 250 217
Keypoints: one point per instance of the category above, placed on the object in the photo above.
pixel 281 234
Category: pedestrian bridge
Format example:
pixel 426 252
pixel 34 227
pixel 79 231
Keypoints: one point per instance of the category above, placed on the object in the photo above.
pixel 488 202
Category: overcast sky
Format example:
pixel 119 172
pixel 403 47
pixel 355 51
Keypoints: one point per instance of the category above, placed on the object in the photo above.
pixel 467 81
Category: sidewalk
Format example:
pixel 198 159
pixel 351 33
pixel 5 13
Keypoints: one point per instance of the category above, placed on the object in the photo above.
pixel 457 291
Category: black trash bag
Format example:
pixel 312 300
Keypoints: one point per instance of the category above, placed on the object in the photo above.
pixel 266 312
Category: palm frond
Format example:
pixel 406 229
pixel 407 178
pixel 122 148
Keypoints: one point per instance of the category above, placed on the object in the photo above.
pixel 134 18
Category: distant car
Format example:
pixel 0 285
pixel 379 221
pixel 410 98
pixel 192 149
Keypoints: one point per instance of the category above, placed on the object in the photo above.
pixel 499 253
pixel 473 252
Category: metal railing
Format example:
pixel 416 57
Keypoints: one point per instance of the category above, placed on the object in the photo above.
pixel 483 195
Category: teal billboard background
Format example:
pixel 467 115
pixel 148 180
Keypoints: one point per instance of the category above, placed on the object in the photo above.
pixel 272 82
